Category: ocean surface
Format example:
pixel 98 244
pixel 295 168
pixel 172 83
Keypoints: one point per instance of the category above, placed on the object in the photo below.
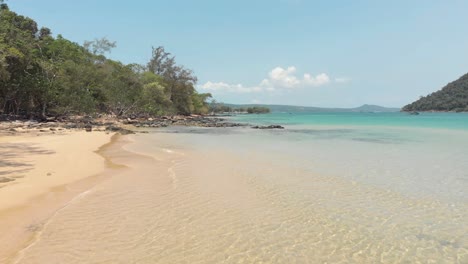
pixel 329 188
pixel 397 119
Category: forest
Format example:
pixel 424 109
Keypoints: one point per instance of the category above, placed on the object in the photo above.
pixel 221 108
pixel 452 97
pixel 42 75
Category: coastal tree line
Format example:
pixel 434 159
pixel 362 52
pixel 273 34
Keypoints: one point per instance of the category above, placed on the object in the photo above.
pixel 216 107
pixel 42 75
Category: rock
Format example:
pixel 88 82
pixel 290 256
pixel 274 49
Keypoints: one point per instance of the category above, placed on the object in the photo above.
pixel 88 128
pixel 122 131
pixel 112 128
pixel 71 125
pixel 126 132
pixel 268 127
pixel 130 121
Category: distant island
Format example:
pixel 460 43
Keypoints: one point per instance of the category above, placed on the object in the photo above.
pixel 451 98
pixel 220 107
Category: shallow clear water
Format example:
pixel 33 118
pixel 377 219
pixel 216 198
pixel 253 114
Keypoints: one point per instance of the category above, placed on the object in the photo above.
pixel 349 191
pixel 425 120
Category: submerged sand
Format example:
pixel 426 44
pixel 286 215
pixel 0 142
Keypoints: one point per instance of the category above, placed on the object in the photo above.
pixel 188 198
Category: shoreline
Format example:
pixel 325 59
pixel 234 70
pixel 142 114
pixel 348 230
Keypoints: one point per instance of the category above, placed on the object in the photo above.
pixel 120 164
pixel 33 187
pixel 161 195
pixel 128 125
pixel 55 170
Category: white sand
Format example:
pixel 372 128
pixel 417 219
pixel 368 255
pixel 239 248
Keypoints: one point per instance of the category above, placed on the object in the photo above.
pixel 45 162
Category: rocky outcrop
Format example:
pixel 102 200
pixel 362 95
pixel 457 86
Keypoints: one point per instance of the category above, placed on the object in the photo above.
pixel 268 127
pixel 195 121
pixel 122 125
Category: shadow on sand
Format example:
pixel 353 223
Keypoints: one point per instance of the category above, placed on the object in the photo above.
pixel 13 160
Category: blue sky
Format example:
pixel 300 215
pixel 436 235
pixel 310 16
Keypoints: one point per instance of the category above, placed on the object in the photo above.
pixel 313 53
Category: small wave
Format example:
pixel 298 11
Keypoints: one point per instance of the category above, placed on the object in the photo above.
pixel 39 229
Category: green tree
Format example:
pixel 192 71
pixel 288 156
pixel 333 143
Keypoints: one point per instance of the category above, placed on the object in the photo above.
pixel 41 75
pixel 99 46
pixel 179 81
pixel 200 103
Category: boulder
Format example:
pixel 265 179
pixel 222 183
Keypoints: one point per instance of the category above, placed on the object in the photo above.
pixel 268 127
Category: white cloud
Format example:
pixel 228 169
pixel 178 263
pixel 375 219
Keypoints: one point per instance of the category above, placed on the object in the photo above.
pixel 318 80
pixel 285 78
pixel 221 86
pixel 278 78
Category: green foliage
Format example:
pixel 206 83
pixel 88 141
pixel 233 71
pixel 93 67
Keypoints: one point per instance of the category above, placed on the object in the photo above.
pixel 178 80
pixel 155 100
pixel 200 103
pixel 216 107
pixel 258 110
pixel 452 97
pixel 99 46
pixel 41 75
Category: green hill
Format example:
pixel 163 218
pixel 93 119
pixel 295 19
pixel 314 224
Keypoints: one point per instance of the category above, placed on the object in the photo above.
pixel 452 97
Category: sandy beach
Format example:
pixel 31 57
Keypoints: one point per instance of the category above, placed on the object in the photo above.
pixel 41 173
pixel 233 132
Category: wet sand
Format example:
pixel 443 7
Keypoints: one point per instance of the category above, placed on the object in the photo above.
pixel 40 175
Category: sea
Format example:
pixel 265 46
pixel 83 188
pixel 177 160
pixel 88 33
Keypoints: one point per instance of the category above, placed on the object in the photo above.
pixel 328 188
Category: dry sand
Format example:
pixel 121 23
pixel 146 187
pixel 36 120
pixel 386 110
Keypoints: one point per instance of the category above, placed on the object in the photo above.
pixel 39 174
pixel 32 165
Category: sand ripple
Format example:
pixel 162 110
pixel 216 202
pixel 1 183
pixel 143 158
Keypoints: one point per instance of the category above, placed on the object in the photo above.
pixel 205 206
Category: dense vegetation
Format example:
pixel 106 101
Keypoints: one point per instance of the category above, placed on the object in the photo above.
pixel 258 110
pixel 42 75
pixel 219 108
pixel 452 97
pixel 216 107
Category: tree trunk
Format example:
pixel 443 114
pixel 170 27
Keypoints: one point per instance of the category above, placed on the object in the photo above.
pixel 43 113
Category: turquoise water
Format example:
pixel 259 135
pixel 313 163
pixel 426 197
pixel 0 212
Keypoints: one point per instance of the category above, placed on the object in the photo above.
pixel 414 155
pixel 428 120
pixel 353 187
